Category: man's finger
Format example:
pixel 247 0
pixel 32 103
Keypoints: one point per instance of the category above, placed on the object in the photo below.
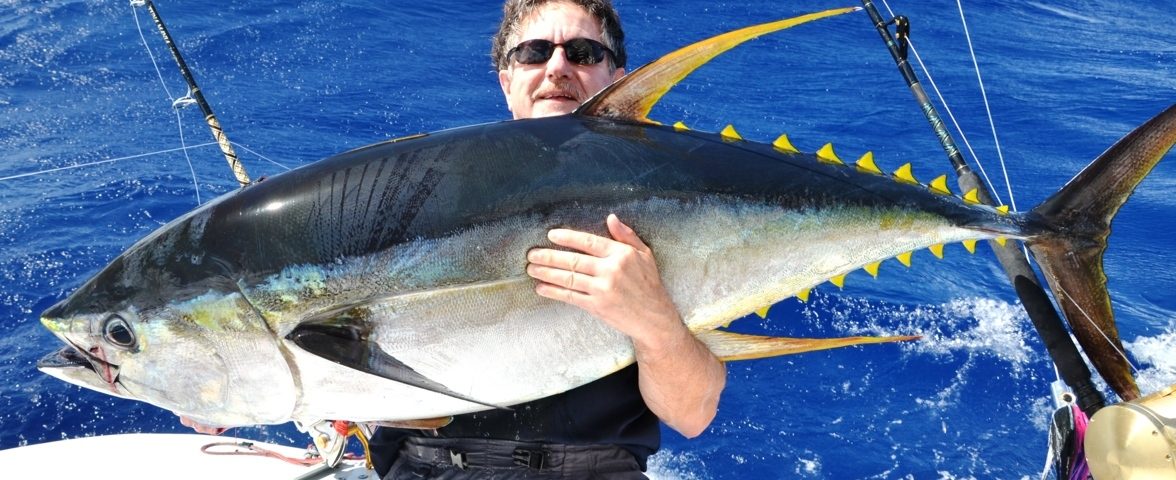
pixel 569 280
pixel 571 297
pixel 594 245
pixel 624 234
pixel 571 261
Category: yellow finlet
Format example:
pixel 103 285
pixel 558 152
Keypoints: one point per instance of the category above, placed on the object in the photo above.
pixel 680 127
pixel 939 185
pixel 905 258
pixel 729 134
pixel 838 280
pixel 937 250
pixel 784 145
pixel 972 197
pixel 970 245
pixel 763 312
pixel 866 164
pixel 1003 209
pixel 904 175
pixel 1001 241
pixel 826 155
pixel 803 295
pixel 872 268
pixel 635 94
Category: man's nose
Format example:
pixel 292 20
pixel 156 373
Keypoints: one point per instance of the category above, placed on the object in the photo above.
pixel 558 65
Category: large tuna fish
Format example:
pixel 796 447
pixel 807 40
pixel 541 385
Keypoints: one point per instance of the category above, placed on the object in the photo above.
pixel 387 283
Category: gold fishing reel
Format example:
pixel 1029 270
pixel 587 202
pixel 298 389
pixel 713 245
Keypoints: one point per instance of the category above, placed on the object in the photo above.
pixel 1134 440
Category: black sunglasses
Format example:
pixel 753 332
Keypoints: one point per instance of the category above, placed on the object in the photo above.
pixel 581 51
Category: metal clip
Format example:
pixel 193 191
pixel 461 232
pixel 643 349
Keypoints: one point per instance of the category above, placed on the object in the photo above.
pixel 458 459
pixel 535 459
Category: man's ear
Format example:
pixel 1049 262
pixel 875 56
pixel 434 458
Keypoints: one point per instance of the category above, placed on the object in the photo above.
pixel 618 73
pixel 504 82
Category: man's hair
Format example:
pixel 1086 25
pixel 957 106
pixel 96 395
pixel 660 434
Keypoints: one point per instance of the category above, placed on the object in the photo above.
pixel 515 11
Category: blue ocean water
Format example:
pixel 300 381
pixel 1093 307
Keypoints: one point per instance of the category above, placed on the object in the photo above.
pixel 293 82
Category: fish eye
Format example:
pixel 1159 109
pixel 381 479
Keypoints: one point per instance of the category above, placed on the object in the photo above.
pixel 118 332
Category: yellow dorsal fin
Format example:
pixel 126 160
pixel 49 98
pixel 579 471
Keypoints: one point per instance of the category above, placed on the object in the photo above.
pixel 730 134
pixel 937 250
pixel 904 175
pixel 866 164
pixel 972 197
pixel 681 127
pixel 826 155
pixel 1001 241
pixel 905 258
pixel 1003 209
pixel 784 145
pixel 872 268
pixel 838 280
pixel 728 346
pixel 763 311
pixel 635 94
pixel 803 295
pixel 970 245
pixel 939 185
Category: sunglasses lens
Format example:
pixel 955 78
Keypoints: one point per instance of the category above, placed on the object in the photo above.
pixel 581 51
pixel 534 51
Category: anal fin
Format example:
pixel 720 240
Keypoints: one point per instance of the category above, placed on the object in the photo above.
pixel 416 424
pixel 729 346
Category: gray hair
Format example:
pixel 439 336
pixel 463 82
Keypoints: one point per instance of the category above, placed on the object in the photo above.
pixel 514 11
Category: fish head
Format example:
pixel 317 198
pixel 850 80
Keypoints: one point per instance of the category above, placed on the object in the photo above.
pixel 158 327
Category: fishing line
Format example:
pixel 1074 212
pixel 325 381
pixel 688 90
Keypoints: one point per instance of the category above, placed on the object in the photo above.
pixel 1100 331
pixel 984 94
pixel 947 108
pixel 100 162
pixel 263 157
pixel 170 98
pixel 955 123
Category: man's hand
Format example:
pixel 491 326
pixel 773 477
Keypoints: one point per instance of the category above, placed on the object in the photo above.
pixel 617 281
pixel 200 427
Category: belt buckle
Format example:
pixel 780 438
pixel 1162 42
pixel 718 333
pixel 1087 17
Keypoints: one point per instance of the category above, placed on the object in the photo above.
pixel 458 459
pixel 534 459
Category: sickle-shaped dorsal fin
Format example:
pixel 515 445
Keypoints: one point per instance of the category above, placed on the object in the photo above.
pixel 633 96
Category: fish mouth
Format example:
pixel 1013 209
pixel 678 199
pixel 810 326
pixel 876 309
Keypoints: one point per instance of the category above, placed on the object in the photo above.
pixel 73 365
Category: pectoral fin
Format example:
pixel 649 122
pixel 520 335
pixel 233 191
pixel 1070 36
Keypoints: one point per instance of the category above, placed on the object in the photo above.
pixel 729 346
pixel 348 345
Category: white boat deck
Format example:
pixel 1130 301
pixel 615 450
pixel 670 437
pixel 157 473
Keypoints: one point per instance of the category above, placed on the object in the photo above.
pixel 157 455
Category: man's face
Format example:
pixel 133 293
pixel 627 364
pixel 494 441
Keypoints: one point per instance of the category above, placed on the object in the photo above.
pixel 557 86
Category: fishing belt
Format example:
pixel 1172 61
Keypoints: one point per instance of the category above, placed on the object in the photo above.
pixel 499 455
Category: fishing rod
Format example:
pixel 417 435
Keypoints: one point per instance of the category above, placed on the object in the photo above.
pixel 194 92
pixel 1071 367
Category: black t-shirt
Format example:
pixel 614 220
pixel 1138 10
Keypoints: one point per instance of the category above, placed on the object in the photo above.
pixel 607 411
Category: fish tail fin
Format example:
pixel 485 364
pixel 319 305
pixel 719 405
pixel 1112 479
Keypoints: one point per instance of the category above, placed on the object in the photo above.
pixel 1071 256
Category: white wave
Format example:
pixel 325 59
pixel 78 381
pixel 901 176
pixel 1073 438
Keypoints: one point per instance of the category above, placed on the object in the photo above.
pixel 1155 358
pixel 668 465
pixel 970 325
